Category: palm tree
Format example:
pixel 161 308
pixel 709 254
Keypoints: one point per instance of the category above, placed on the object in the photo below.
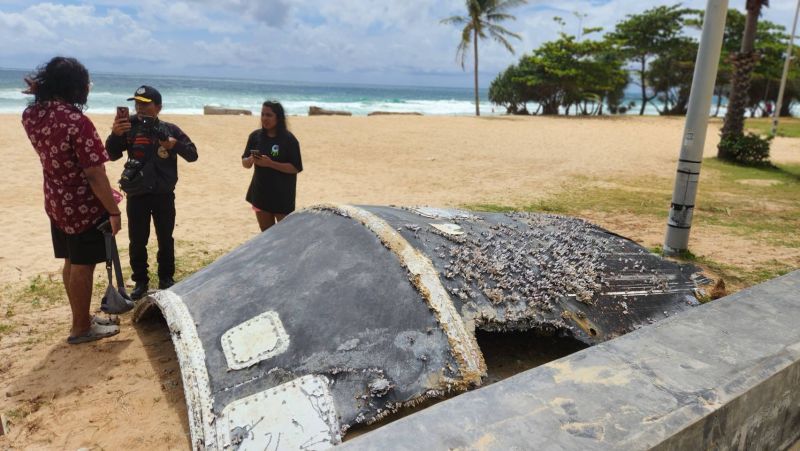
pixel 743 64
pixel 482 18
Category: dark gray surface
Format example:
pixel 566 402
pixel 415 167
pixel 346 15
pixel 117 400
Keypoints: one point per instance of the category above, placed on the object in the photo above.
pixel 353 315
pixel 551 273
pixel 725 375
pixel 347 305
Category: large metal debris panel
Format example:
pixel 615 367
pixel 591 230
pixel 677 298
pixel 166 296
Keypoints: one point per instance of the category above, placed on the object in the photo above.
pixel 520 271
pixel 339 315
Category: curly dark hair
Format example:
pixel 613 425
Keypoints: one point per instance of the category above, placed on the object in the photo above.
pixel 280 115
pixel 61 78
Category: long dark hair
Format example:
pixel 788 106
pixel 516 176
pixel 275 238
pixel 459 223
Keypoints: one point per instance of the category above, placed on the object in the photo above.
pixel 280 115
pixel 61 78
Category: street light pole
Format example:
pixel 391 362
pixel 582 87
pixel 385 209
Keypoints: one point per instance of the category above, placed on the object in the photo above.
pixel 694 133
pixel 777 112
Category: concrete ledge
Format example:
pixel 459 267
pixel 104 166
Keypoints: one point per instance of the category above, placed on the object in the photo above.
pixel 725 375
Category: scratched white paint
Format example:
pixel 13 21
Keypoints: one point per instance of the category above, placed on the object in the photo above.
pixel 259 338
pixel 448 228
pixel 297 415
pixel 439 213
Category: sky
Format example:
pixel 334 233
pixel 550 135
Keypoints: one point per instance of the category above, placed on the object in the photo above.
pixel 387 42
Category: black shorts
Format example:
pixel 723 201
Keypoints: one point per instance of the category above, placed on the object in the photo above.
pixel 85 248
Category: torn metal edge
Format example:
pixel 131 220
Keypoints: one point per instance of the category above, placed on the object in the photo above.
pixel 425 279
pixel 192 360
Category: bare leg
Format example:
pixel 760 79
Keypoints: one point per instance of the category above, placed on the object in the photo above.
pixel 265 219
pixel 79 291
pixel 65 275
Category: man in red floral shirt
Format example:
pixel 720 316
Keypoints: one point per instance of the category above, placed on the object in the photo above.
pixel 77 194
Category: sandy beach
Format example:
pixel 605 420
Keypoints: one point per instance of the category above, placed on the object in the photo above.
pixel 438 161
pixel 126 392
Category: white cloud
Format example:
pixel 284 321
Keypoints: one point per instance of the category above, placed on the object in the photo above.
pixel 13 25
pixel 273 38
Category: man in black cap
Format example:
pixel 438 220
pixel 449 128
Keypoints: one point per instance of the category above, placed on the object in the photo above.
pixel 149 179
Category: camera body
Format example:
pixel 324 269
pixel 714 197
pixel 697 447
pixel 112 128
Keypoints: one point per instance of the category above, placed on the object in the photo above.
pixel 151 124
pixel 131 169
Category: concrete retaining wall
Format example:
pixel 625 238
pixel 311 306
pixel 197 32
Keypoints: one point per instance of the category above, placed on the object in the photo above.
pixel 725 375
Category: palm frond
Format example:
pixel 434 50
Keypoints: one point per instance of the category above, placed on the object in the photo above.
pixel 455 20
pixel 504 5
pixel 502 40
pixel 463 46
pixel 498 29
pixel 499 17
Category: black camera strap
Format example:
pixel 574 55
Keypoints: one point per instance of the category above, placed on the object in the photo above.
pixel 112 260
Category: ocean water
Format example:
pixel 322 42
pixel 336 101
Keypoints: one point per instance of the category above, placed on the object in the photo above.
pixel 188 95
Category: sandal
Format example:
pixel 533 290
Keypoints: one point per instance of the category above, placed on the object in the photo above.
pixel 96 332
pixel 107 321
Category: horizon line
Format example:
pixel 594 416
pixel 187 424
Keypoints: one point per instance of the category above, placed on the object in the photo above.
pixel 272 81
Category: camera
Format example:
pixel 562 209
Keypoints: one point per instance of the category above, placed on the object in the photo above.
pixel 152 124
pixel 131 168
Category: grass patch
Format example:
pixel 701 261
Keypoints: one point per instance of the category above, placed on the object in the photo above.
pixel 756 203
pixel 44 291
pixel 490 208
pixel 190 257
pixel 637 198
pixel 787 126
pixel 6 328
pixel 41 291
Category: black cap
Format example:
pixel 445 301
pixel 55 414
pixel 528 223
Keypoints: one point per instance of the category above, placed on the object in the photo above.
pixel 147 94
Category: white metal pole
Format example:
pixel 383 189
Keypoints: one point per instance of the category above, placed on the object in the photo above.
pixel 777 112
pixel 694 134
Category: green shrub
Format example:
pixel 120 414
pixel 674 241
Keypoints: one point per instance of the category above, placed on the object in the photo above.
pixel 749 149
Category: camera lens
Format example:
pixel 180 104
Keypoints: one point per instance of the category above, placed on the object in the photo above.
pixel 131 168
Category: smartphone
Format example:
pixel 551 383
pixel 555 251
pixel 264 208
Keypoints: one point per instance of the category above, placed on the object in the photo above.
pixel 123 112
pixel 255 153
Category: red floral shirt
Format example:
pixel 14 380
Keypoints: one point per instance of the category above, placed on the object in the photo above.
pixel 66 142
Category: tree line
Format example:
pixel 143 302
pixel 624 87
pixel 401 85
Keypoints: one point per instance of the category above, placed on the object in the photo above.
pixel 654 50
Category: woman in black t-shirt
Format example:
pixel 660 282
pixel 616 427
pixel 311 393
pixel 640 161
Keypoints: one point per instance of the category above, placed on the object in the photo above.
pixel 275 153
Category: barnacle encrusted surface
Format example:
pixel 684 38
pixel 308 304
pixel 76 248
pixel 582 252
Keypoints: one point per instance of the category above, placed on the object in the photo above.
pixel 550 273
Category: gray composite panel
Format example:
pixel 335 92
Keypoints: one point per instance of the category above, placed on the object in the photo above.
pixel 344 301
pixel 382 303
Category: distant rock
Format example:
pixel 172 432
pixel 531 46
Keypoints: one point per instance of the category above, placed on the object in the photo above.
pixel 391 113
pixel 317 111
pixel 210 110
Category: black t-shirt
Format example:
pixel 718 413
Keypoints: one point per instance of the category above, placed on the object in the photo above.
pixel 272 190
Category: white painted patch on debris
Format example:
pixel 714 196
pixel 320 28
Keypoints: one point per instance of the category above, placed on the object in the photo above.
pixel 297 415
pixel 440 213
pixel 257 339
pixel 448 228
